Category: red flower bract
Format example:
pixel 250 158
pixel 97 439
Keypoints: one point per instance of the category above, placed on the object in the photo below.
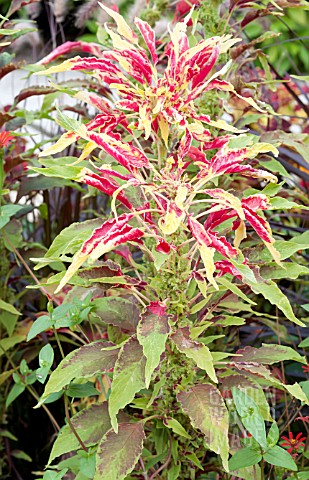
pixel 293 444
pixel 5 138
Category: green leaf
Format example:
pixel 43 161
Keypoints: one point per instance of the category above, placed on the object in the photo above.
pixel 84 362
pixel 234 289
pixel 193 458
pixel 268 354
pixel 8 308
pixel 250 416
pixel 157 387
pixel 273 294
pixel 280 457
pixel 177 428
pixel 80 390
pixel 10 342
pixel 21 455
pixel 291 270
pixel 273 435
pixel 152 332
pixel 46 358
pixel 15 391
pixel 128 379
pixel 90 424
pixel 287 248
pixel 68 241
pixel 117 311
pixel 70 124
pixel 8 211
pixel 280 203
pixel 199 352
pixel 52 475
pixel 40 325
pixel 207 411
pixel 119 452
pixel 174 471
pixel 245 458
pixel 297 392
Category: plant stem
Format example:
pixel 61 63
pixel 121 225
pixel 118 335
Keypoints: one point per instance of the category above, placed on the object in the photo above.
pixel 66 407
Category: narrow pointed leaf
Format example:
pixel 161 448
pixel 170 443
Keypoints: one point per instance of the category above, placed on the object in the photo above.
pixel 207 412
pixel 152 332
pixel 129 378
pixel 195 350
pixel 119 452
pixel 84 362
pixel 90 424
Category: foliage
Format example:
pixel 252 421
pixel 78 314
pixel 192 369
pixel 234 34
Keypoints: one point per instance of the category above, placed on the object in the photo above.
pixel 152 367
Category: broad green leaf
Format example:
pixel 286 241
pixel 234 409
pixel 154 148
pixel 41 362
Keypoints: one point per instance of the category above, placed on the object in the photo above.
pixel 199 352
pixel 304 343
pixel 174 425
pixel 174 471
pixel 52 475
pixel 9 342
pixel 40 325
pixel 21 455
pixel 250 416
pixel 119 452
pixel 280 457
pixel 9 321
pixel 279 203
pixel 287 248
pixel 245 457
pixel 90 424
pixel 69 241
pixel 234 289
pixel 117 311
pixel 268 354
pixel 6 212
pixel 5 375
pixel 129 378
pixel 84 362
pixel 291 270
pixel 80 390
pixel 15 391
pixel 273 294
pixel 157 387
pixel 193 458
pixel 273 435
pixel 46 358
pixel 297 392
pixel 207 411
pixel 8 307
pixel 152 332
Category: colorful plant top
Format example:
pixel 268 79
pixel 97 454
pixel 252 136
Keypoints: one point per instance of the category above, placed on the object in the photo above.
pixel 158 95
pixel 178 224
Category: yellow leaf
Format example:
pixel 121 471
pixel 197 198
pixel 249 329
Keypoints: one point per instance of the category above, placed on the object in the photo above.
pixel 182 192
pixel 122 26
pixel 207 254
pixel 63 67
pixel 77 262
pixel 164 128
pixel 240 234
pixel 64 141
pixel 170 223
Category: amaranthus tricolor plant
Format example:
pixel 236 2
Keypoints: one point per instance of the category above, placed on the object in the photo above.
pixel 178 229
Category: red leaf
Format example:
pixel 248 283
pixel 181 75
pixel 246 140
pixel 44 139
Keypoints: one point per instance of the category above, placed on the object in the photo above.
pixel 127 155
pixel 149 37
pixel 68 47
pixel 106 185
